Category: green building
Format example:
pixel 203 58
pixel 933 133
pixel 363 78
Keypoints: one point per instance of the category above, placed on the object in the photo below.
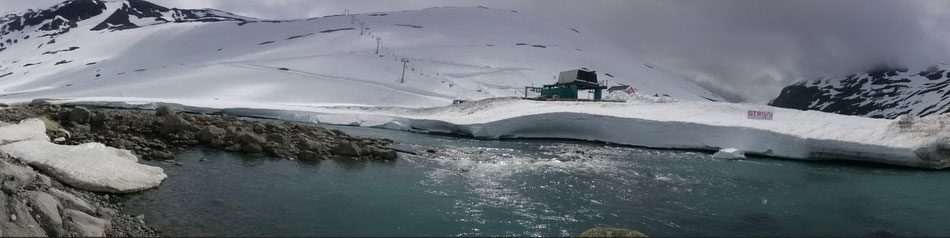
pixel 570 81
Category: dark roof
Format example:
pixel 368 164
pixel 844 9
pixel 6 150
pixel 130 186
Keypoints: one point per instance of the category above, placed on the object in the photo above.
pixel 622 87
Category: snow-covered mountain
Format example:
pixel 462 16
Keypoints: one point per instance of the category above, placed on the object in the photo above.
pixel 886 92
pixel 136 49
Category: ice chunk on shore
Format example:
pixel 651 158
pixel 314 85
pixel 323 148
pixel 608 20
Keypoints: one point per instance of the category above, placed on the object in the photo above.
pixel 729 153
pixel 90 166
pixel 29 129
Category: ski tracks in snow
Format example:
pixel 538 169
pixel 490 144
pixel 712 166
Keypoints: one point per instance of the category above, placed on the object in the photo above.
pixel 420 93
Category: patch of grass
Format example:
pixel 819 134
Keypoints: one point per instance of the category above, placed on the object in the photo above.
pixel 51 125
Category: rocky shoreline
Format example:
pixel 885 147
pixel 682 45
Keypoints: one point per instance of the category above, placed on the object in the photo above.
pixel 157 136
pixel 35 203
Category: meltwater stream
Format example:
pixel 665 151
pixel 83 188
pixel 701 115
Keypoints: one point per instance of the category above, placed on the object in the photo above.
pixel 539 188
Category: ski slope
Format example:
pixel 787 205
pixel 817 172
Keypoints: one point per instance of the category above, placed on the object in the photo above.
pixel 454 53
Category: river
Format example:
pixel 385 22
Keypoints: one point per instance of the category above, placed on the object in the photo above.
pixel 539 188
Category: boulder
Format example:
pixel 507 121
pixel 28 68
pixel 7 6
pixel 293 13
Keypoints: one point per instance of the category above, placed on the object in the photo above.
pixel 17 221
pixel 101 117
pixel 85 225
pixel 16 173
pixel 44 180
pixel 308 145
pixel 40 102
pixel 80 115
pixel 611 232
pixel 729 153
pixel 10 186
pixel 250 138
pixel 274 127
pixel 162 155
pixel 258 128
pixel 90 166
pixel 164 111
pixel 173 124
pixel 70 201
pixel 382 153
pixel 62 115
pixel 210 133
pixel 251 142
pixel 29 129
pixel 347 149
pixel 47 210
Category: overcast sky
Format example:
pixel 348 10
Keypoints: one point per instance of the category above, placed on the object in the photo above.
pixel 741 49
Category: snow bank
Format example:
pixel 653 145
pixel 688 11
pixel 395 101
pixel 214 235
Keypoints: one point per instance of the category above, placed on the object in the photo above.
pixel 794 134
pixel 729 153
pixel 637 98
pixel 29 129
pixel 90 166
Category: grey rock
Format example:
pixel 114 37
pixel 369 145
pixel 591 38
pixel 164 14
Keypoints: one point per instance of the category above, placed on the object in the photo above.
pixel 40 102
pixel 86 225
pixel 347 149
pixel 162 155
pixel 9 187
pixel 308 145
pixel 44 180
pixel 101 116
pixel 16 172
pixel 336 132
pixel 47 209
pixel 251 142
pixel 381 153
pixel 210 133
pixel 107 213
pixel 62 115
pixel 21 224
pixel 174 124
pixel 308 155
pixel 164 111
pixel 80 115
pixel 70 201
pixel 250 138
pixel 274 127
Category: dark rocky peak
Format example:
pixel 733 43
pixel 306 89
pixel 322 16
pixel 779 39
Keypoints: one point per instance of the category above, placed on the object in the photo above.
pixel 123 14
pixel 57 18
pixel 120 19
pixel 884 91
pixel 144 9
pixel 50 22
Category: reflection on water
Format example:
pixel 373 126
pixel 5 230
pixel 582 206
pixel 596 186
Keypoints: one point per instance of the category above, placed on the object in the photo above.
pixel 539 188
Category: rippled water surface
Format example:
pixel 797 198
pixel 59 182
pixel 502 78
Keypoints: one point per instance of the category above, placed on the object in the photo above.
pixel 540 188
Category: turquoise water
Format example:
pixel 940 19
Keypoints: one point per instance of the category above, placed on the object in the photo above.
pixel 540 188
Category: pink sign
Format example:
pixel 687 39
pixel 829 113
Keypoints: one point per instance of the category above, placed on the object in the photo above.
pixel 759 115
